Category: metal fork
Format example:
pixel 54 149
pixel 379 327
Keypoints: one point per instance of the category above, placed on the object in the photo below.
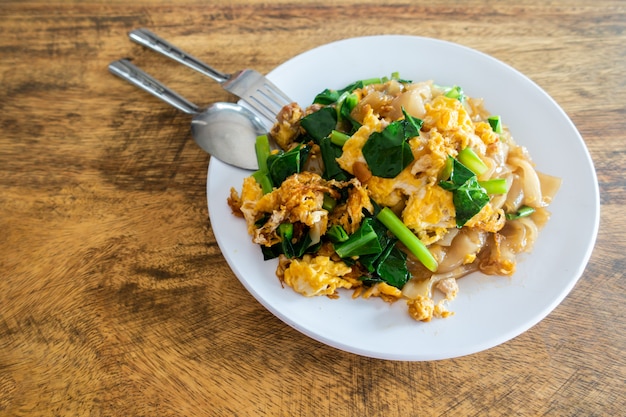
pixel 252 87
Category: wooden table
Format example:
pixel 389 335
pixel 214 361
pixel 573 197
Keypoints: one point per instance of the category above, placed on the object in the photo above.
pixel 114 297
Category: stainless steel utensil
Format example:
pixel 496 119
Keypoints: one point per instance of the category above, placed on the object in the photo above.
pixel 254 88
pixel 227 131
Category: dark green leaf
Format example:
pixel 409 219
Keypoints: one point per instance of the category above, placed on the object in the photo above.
pixel 337 234
pixel 392 267
pixel 319 124
pixel 411 125
pixel 330 96
pixel 496 123
pixel 384 239
pixel 330 153
pixel 469 197
pixel 458 176
pixel 468 200
pixel 387 153
pixel 345 110
pixel 292 245
pixel 327 97
pixel 271 252
pixel 362 242
pixel 284 164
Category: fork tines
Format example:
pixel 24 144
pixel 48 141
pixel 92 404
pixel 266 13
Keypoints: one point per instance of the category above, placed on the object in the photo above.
pixel 267 100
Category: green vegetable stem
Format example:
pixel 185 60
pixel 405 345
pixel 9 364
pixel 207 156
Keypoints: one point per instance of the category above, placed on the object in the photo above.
pixel 523 211
pixel 338 138
pixel 468 157
pixel 262 148
pixel 408 238
pixel 494 186
pixel 455 92
pixel 495 123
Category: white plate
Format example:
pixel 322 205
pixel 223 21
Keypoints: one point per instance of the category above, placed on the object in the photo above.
pixel 488 310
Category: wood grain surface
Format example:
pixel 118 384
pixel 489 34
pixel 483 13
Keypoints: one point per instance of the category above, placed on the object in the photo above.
pixel 114 297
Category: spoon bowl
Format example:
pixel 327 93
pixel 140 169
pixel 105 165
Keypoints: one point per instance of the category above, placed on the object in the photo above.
pixel 227 131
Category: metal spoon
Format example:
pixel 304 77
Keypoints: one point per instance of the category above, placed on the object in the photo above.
pixel 227 131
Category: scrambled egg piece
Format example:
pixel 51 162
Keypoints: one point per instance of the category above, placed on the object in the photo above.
pixel 421 308
pixel 488 219
pixel 317 275
pixel 383 290
pixel 391 191
pixel 486 133
pixel 431 153
pixel 449 116
pixel 430 213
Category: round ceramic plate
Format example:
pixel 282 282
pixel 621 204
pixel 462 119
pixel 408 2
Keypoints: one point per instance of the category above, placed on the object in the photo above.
pixel 488 310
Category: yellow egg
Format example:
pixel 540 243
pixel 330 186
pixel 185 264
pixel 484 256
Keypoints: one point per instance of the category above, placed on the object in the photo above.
pixel 317 275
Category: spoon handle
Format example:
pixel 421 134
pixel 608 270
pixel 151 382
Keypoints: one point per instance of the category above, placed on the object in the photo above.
pixel 124 69
pixel 150 40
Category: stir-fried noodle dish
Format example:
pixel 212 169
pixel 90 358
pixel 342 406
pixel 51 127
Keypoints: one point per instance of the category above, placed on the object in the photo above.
pixel 392 189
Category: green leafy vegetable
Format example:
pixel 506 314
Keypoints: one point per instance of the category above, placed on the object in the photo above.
pixel 406 236
pixel 338 138
pixel 345 105
pixel 285 231
pixel 392 267
pixel 329 203
pixel 271 252
pixel 327 97
pixel 364 241
pixel 344 99
pixel 387 153
pixel 330 96
pixel 319 124
pixel 458 175
pixel 494 186
pixel 468 157
pixel 337 234
pixel 262 149
pixel 262 177
pixel 370 262
pixel 495 123
pixel 455 92
pixel 283 164
pixel 293 245
pixel 468 200
pixel 387 265
pixel 330 153
pixel 523 211
pixel 468 196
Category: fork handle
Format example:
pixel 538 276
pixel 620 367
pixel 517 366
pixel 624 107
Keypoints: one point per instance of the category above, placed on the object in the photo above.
pixel 131 73
pixel 150 40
